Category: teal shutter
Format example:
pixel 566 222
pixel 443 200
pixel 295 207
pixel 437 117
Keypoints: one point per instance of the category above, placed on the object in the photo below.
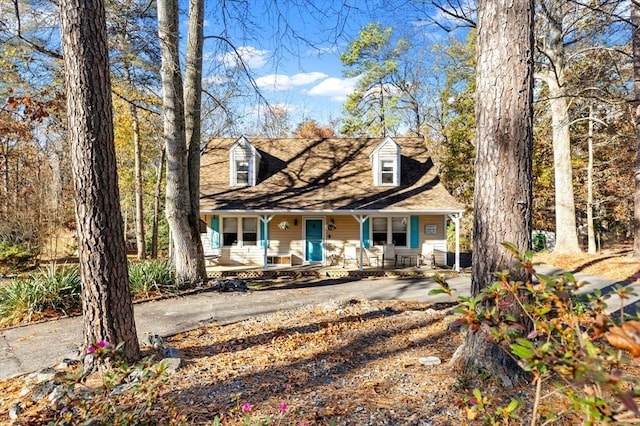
pixel 215 231
pixel 264 237
pixel 415 232
pixel 366 238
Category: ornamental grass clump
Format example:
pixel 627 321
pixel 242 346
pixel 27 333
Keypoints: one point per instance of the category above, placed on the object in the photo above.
pixel 54 290
pixel 151 278
pixel 566 341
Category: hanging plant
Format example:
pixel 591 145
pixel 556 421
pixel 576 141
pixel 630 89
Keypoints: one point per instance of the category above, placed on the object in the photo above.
pixel 283 225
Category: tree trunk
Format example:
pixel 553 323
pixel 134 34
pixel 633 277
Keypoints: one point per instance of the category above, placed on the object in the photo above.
pixel 193 108
pixel 178 203
pixel 106 299
pixel 137 154
pixel 635 21
pixel 503 183
pixel 591 235
pixel 156 206
pixel 566 235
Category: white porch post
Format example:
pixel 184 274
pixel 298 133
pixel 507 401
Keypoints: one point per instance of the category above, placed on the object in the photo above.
pixel 456 220
pixel 361 220
pixel 265 225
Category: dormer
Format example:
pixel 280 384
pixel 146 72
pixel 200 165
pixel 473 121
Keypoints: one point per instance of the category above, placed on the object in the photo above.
pixel 385 163
pixel 244 163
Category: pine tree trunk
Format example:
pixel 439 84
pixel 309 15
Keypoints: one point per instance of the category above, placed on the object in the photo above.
pixel 106 299
pixel 591 234
pixel 503 184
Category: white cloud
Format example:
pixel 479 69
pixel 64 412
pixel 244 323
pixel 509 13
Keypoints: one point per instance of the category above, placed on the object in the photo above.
pixel 279 82
pixel 335 88
pixel 253 58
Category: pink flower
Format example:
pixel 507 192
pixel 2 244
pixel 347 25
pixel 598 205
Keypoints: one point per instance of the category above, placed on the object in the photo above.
pixel 91 349
pixel 247 407
pixel 103 343
pixel 283 406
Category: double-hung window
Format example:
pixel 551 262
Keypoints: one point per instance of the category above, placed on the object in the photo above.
pixel 387 172
pixel 390 230
pixel 242 172
pixel 239 231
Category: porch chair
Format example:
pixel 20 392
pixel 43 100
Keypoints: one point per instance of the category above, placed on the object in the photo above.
pixel 427 256
pixel 389 255
pixel 349 255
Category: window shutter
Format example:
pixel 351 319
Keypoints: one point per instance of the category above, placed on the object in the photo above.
pixel 215 231
pixel 415 232
pixel 264 237
pixel 366 235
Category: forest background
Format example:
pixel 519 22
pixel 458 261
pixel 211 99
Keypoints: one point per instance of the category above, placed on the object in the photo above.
pixel 411 71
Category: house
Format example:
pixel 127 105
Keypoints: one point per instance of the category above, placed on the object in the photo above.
pixel 323 201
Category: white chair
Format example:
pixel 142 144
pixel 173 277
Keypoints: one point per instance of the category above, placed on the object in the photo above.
pixel 389 255
pixel 372 257
pixel 427 255
pixel 349 255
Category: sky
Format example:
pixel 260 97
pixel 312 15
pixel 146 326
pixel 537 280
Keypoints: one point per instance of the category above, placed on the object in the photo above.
pixel 292 50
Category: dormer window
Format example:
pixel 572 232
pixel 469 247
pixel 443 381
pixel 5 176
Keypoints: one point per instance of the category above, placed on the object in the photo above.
pixel 385 163
pixel 387 172
pixel 244 161
pixel 242 172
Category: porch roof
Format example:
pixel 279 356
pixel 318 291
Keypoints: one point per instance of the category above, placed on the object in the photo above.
pixel 323 175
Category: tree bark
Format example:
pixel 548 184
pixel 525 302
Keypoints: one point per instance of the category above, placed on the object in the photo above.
pixel 193 123
pixel 106 299
pixel 503 183
pixel 591 235
pixel 635 21
pixel 178 202
pixel 566 229
pixel 156 206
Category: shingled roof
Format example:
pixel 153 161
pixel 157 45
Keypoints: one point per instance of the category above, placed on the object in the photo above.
pixel 323 174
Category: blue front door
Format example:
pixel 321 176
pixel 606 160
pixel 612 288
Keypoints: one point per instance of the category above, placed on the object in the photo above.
pixel 313 240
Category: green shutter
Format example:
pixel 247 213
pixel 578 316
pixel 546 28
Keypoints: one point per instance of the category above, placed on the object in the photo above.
pixel 366 237
pixel 415 232
pixel 264 237
pixel 215 231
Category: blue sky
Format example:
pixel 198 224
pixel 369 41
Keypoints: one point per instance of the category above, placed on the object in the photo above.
pixel 306 76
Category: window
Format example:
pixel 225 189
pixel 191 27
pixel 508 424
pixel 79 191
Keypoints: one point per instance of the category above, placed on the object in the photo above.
pixel 230 231
pixel 387 172
pixel 242 172
pixel 399 227
pixel 379 231
pixel 398 236
pixel 249 231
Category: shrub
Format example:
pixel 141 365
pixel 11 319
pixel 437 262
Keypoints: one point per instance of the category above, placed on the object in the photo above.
pixel 151 277
pixel 14 255
pixel 55 289
pixel 568 340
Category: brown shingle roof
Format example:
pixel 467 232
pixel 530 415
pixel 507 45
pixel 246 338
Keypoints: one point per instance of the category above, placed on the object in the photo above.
pixel 322 174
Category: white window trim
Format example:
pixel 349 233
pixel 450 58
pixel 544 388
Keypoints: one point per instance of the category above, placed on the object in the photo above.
pixel 390 230
pixel 394 171
pixel 239 231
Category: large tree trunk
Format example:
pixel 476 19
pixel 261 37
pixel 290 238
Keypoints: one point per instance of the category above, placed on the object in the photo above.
pixel 554 77
pixel 503 183
pixel 635 21
pixel 591 234
pixel 106 299
pixel 193 107
pixel 178 203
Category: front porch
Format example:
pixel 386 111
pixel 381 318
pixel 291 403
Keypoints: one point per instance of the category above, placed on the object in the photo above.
pixel 326 271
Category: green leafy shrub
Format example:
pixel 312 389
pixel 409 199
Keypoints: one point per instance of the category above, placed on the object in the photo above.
pixel 13 255
pixel 568 341
pixel 151 277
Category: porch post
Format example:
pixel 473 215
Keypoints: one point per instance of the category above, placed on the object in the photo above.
pixel 265 225
pixel 456 220
pixel 361 220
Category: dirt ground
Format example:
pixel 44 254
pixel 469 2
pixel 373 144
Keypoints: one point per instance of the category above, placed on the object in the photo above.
pixel 360 363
